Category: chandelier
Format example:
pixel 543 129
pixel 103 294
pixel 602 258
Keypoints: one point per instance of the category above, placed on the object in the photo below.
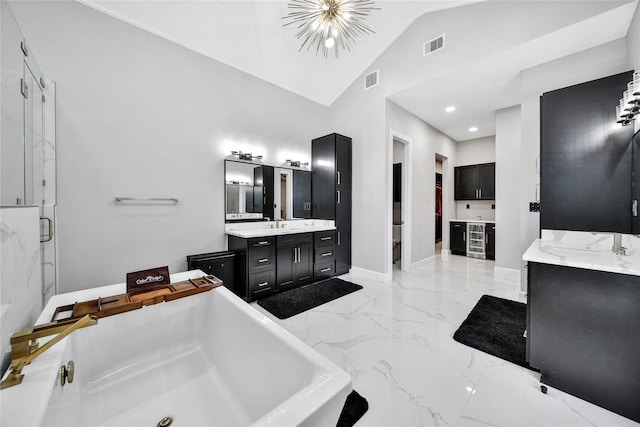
pixel 329 23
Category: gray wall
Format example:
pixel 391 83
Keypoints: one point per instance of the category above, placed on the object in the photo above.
pixel 426 141
pixel 141 116
pixel 475 151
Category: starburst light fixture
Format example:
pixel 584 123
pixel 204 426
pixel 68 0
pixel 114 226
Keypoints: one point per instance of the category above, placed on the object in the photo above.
pixel 329 24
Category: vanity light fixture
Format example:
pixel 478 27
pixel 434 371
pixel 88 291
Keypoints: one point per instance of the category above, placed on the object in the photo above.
pixel 329 23
pixel 245 156
pixel 296 163
pixel 629 105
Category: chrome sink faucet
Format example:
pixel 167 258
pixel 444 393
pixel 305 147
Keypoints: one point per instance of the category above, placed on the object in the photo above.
pixel 617 248
pixel 277 223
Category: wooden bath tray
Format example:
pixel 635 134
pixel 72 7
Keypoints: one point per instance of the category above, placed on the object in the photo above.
pixel 116 304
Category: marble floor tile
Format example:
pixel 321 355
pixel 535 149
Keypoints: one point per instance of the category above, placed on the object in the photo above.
pixel 395 339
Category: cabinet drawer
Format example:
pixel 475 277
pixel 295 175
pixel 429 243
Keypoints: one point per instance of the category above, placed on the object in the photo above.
pixel 324 238
pixel 325 254
pixel 287 239
pixel 261 283
pixel 262 258
pixel 324 270
pixel 261 242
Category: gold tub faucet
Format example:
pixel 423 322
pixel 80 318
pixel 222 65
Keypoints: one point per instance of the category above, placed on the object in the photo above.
pixel 25 348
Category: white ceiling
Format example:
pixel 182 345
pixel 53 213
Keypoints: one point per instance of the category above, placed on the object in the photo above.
pixel 249 36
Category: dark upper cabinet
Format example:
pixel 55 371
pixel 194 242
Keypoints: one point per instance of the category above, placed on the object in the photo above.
pixel 331 190
pixel 585 158
pixel 475 182
pixel 301 194
pixel 458 237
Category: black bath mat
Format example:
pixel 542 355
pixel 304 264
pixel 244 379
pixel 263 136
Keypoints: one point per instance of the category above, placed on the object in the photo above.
pixel 354 408
pixel 496 326
pixel 295 301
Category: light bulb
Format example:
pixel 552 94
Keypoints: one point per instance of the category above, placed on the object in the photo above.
pixel 329 42
pixel 325 7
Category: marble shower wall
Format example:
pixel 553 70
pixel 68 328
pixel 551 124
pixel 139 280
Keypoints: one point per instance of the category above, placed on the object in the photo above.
pixel 20 273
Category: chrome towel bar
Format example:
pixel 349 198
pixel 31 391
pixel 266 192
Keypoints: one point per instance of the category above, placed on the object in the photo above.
pixel 147 199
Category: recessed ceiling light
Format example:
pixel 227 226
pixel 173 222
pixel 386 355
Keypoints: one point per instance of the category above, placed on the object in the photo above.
pixel 473 129
pixel 450 109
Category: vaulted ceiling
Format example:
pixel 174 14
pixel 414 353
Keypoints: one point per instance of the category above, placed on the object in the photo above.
pixel 250 36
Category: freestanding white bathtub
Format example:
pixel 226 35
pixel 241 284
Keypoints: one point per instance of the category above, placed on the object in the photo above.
pixel 205 360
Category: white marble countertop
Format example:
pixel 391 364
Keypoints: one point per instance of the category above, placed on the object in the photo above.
pixel 591 251
pixel 486 221
pixel 268 228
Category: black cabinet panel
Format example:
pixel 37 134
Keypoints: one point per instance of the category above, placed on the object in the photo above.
pixel 331 191
pixel 466 178
pixel 301 194
pixel 268 183
pixel 585 178
pixel 490 241
pixel 343 250
pixel 219 264
pixel 487 181
pixel 583 334
pixel 458 238
pixel 295 260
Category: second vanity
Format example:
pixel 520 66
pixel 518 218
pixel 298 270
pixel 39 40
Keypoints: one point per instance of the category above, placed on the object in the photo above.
pixel 275 256
pixel 583 317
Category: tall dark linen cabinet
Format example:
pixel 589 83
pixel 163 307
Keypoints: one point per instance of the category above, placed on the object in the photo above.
pixel 331 191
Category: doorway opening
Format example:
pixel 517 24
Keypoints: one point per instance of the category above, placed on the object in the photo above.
pixel 399 202
pixel 438 204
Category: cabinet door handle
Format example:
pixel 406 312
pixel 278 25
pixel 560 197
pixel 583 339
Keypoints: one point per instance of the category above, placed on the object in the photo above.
pixel 327 254
pixel 297 255
pixel 324 270
pixel 486 239
pixel 326 238
pixel 338 196
pixel 263 260
pixel 338 238
pixel 480 191
pixel 264 242
pixel 50 232
pixel 464 236
pixel 262 284
pixel 634 208
pixel 339 178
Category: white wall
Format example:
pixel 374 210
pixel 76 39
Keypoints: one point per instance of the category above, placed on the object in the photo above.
pixel 508 206
pixel 426 141
pixel 475 151
pixel 141 116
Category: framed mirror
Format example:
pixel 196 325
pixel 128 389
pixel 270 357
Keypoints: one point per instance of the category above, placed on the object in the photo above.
pixel 256 192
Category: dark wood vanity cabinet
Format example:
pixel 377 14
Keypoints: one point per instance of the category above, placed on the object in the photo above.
pixel 294 260
pixel 324 244
pixel 458 237
pixel 255 266
pixel 582 334
pixel 331 191
pixel 585 158
pixel 490 241
pixel 475 182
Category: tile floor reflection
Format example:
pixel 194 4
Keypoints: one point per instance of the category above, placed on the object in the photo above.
pixel 395 339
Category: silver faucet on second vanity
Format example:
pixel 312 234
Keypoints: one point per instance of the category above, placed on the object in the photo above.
pixel 617 248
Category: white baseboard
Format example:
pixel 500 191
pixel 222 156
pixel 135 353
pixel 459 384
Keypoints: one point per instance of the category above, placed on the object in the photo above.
pixel 370 274
pixel 507 273
pixel 445 252
pixel 423 262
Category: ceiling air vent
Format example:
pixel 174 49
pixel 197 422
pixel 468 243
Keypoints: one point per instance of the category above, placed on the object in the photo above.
pixel 433 45
pixel 371 80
